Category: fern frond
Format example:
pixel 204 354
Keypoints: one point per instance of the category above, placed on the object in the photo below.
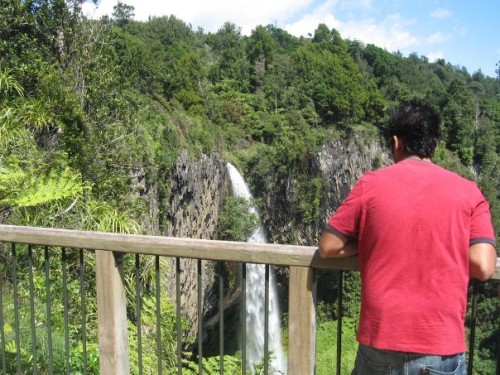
pixel 19 189
pixel 211 366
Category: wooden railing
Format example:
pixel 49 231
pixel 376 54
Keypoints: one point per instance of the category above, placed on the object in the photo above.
pixel 112 318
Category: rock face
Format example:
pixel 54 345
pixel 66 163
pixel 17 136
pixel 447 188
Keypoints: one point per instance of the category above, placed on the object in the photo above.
pixel 198 190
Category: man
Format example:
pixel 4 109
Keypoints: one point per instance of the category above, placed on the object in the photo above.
pixel 421 232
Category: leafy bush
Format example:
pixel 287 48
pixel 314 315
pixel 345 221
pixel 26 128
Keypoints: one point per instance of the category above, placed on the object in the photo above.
pixel 237 223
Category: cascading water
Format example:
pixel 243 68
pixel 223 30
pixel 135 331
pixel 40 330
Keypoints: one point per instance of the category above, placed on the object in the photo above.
pixel 256 297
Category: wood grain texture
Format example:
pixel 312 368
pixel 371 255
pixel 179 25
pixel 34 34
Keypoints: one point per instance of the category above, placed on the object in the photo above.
pixel 301 322
pixel 112 315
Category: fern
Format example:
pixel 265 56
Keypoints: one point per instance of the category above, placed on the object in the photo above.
pixel 20 189
pixel 211 366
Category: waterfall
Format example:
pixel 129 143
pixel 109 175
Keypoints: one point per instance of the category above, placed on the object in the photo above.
pixel 255 297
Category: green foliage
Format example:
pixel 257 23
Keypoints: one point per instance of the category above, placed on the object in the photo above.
pixel 334 81
pixel 311 199
pixel 92 365
pixel 451 160
pixel 123 13
pixel 17 189
pixel 9 84
pixel 384 65
pixel 211 366
pixel 48 287
pixel 458 113
pixel 237 221
pixel 326 346
pixel 487 329
pixel 231 57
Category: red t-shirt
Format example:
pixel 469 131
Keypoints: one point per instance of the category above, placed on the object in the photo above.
pixel 414 222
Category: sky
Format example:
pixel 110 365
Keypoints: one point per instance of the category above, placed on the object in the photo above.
pixel 462 32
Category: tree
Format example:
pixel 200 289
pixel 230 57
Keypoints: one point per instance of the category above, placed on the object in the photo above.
pixel 260 49
pixel 458 118
pixel 123 13
pixel 285 41
pixel 384 65
pixel 185 72
pixel 333 82
pixel 26 179
pixel 232 63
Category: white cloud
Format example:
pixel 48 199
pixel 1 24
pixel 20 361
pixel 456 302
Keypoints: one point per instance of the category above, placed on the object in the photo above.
pixel 441 13
pixel 362 20
pixel 309 22
pixel 298 17
pixel 390 33
pixel 438 37
pixel 435 55
pixel 356 4
pixel 210 15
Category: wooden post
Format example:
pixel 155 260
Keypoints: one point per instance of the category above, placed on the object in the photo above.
pixel 302 322
pixel 112 314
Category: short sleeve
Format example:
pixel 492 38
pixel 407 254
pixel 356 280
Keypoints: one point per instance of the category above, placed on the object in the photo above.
pixel 481 229
pixel 347 217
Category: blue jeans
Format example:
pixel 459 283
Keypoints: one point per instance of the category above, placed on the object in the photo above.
pixel 371 361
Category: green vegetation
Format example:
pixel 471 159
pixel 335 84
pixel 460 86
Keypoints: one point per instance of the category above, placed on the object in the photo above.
pixel 237 222
pixel 326 346
pixel 88 106
pixel 211 365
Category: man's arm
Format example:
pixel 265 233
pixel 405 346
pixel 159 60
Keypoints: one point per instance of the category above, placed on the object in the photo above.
pixel 482 261
pixel 332 245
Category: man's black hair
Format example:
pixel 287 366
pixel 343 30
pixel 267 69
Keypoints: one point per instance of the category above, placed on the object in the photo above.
pixel 417 123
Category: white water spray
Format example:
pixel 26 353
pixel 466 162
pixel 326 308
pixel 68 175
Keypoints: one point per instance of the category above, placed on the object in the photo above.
pixel 256 297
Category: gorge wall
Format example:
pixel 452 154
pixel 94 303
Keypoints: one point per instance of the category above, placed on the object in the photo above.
pixel 198 188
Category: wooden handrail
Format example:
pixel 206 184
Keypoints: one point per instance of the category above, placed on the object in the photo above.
pixel 279 255
pixel 275 254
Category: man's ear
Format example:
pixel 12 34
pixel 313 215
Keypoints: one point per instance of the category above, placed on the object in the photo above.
pixel 397 144
pixel 394 139
pixel 397 149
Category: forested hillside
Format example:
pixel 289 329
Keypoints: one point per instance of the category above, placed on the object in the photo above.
pixel 87 105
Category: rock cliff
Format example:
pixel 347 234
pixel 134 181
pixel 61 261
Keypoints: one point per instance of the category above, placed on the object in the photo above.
pixel 198 188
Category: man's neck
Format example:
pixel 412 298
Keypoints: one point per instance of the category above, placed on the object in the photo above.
pixel 415 157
